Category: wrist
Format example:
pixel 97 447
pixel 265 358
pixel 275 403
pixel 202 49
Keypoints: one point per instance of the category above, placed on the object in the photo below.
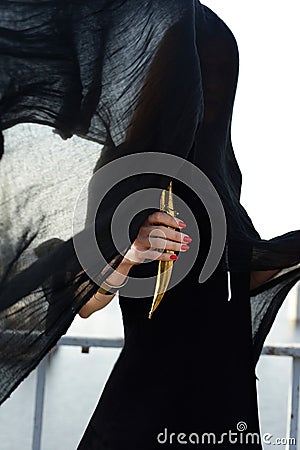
pixel 133 257
pixel 120 273
pixel 125 266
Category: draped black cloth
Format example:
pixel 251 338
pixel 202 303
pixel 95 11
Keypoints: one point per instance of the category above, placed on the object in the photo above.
pixel 134 76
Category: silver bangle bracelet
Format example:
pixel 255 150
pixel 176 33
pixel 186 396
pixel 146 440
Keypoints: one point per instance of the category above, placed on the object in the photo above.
pixel 107 289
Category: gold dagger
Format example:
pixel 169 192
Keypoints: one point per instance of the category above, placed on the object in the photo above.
pixel 164 267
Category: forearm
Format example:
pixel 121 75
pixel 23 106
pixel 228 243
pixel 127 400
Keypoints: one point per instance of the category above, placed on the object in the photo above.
pixel 258 277
pixel 119 275
pixel 99 300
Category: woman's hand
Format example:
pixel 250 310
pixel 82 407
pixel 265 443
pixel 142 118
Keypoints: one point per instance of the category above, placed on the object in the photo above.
pixel 153 239
pixel 156 235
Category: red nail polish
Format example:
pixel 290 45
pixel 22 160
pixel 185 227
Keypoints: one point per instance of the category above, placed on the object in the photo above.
pixel 184 247
pixel 173 257
pixel 181 224
pixel 187 239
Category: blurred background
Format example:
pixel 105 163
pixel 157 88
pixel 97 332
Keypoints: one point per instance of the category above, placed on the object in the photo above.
pixel 267 146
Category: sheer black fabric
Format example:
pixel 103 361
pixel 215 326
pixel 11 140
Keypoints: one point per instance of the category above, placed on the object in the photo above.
pixel 134 76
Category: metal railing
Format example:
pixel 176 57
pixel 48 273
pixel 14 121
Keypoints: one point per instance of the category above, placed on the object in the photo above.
pixel 291 350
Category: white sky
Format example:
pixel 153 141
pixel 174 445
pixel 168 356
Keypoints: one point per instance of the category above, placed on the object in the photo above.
pixel 266 121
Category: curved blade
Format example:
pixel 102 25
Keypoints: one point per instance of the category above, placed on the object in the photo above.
pixel 164 267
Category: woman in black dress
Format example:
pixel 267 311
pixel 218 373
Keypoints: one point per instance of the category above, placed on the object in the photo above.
pixel 138 76
pixel 190 369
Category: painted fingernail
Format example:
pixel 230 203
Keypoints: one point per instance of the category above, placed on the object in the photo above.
pixel 187 239
pixel 173 257
pixel 184 247
pixel 181 224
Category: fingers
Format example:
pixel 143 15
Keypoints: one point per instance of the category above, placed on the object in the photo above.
pixel 158 236
pixel 160 256
pixel 164 244
pixel 152 232
pixel 162 218
pixel 139 254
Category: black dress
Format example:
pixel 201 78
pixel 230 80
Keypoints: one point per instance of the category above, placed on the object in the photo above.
pixel 190 369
